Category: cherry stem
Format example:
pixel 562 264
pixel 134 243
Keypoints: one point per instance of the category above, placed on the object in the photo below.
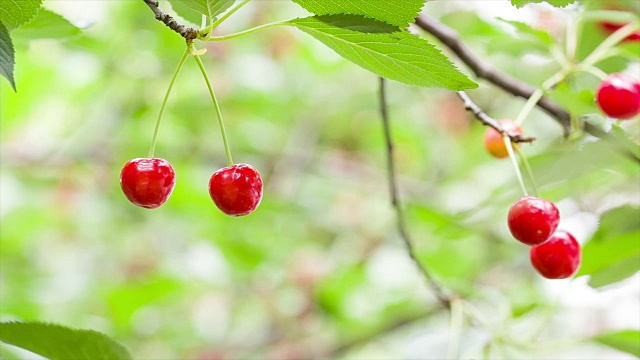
pixel 247 32
pixel 514 161
pixel 528 170
pixel 229 13
pixel 217 107
pixel 599 53
pixel 164 103
pixel 537 95
pixel 455 332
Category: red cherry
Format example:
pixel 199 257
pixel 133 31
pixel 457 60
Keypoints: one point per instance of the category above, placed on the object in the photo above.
pixel 610 27
pixel 619 96
pixel 236 190
pixel 533 220
pixel 147 182
pixel 494 142
pixel 558 258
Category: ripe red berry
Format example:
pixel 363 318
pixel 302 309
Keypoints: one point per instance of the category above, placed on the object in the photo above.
pixel 236 190
pixel 147 182
pixel 494 142
pixel 533 220
pixel 558 258
pixel 619 96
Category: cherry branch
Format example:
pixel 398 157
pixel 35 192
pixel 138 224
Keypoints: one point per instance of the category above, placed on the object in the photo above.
pixel 187 33
pixel 482 70
pixel 488 120
pixel 443 298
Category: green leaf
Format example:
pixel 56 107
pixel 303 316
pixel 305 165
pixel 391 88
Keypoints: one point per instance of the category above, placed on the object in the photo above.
pixel 210 8
pixel 556 3
pixel 7 55
pixel 59 342
pixel 15 13
pixel 46 25
pixel 627 341
pixel 186 12
pixel 385 50
pixel 528 31
pixel 613 253
pixel 398 12
pixel 576 102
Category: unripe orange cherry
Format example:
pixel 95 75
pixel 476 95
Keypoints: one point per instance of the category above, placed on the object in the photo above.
pixel 494 142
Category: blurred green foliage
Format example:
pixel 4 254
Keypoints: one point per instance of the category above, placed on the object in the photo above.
pixel 319 269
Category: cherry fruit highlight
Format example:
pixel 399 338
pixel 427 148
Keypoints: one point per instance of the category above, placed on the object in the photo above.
pixel 619 96
pixel 558 258
pixel 533 220
pixel 147 182
pixel 236 190
pixel 494 142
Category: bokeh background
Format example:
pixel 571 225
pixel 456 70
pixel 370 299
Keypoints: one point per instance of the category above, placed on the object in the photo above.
pixel 319 270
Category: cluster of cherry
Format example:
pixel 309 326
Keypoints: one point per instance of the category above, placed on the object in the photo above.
pixel 555 253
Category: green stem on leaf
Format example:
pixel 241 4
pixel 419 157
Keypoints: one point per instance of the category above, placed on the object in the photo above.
pixel 217 107
pixel 514 161
pixel 164 103
pixel 248 31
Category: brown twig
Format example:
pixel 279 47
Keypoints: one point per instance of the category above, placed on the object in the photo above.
pixel 443 298
pixel 488 120
pixel 188 33
pixel 482 70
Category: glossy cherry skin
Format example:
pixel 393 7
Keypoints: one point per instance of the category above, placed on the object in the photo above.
pixel 558 258
pixel 236 190
pixel 494 142
pixel 619 96
pixel 533 220
pixel 147 182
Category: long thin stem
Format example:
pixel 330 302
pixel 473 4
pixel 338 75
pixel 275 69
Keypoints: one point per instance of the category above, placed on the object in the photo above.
pixel 218 112
pixel 514 161
pixel 620 34
pixel 164 102
pixel 528 169
pixel 247 32
pixel 229 13
pixel 455 332
pixel 396 203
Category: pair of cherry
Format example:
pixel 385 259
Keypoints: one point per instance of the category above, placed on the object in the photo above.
pixel 554 253
pixel 148 182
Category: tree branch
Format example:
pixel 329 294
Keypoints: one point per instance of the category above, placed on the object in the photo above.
pixel 443 298
pixel 482 70
pixel 187 33
pixel 488 120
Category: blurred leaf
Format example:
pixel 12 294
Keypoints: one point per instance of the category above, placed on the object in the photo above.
pixel 576 102
pixel 59 342
pixel 17 13
pixel 125 300
pixel 526 29
pixel 210 8
pixel 398 13
pixel 46 25
pixel 556 3
pixel 186 12
pixel 385 51
pixel 7 56
pixel 627 341
pixel 613 253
